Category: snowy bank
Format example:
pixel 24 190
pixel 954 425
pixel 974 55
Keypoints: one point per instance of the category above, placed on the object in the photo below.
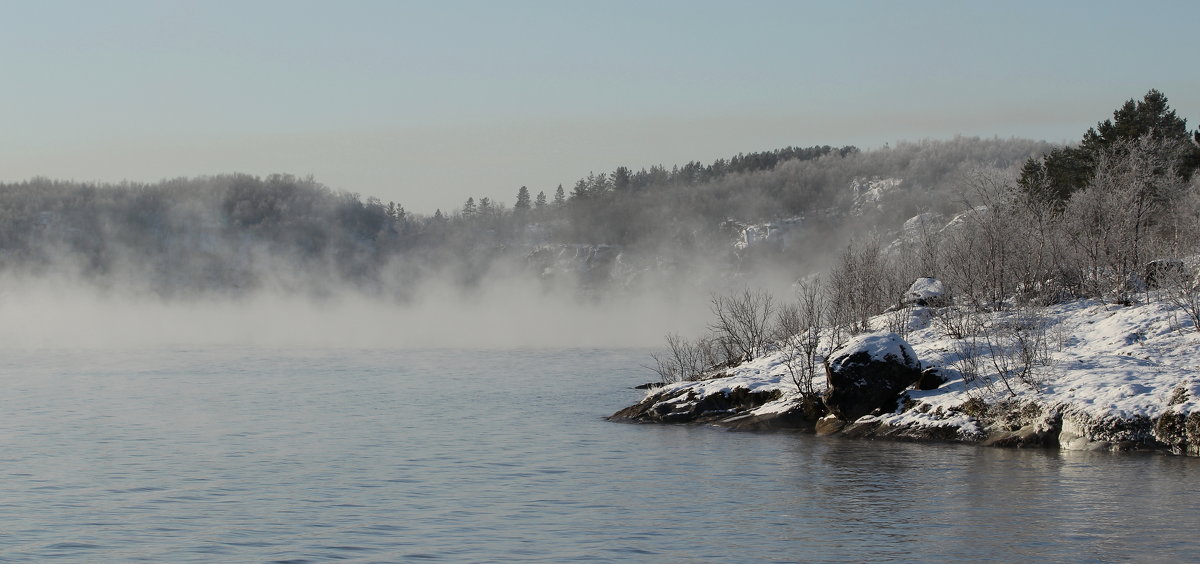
pixel 1091 376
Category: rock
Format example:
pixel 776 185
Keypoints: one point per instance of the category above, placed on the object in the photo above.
pixel 930 379
pixel 829 425
pixel 926 292
pixel 1046 432
pixel 1082 431
pixel 868 373
pixel 684 405
pixel 800 417
pixel 1177 430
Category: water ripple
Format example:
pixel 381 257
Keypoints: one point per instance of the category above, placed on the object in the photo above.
pixel 481 456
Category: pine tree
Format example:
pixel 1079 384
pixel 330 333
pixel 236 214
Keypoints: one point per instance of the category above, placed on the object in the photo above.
pixel 621 179
pixel 1066 170
pixel 580 192
pixel 469 209
pixel 540 201
pixel 522 204
pixel 560 197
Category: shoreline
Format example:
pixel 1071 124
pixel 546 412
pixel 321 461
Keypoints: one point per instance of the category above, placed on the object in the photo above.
pixel 1123 378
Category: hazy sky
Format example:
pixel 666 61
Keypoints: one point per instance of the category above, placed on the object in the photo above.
pixel 426 103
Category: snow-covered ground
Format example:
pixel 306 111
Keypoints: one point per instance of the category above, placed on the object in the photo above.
pixel 1105 375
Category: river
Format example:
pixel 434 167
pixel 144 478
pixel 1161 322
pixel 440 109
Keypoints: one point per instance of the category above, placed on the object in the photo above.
pixel 311 455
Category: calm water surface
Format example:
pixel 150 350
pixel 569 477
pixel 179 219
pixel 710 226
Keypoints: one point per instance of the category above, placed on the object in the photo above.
pixel 248 455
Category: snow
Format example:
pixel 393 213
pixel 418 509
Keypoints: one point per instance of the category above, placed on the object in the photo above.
pixel 1105 362
pixel 879 346
pixel 924 289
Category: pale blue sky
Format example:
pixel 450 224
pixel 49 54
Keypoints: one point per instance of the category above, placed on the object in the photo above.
pixel 426 103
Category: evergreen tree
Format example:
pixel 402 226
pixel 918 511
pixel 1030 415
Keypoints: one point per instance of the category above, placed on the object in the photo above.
pixel 540 201
pixel 560 198
pixel 1066 170
pixel 580 192
pixel 396 211
pixel 469 209
pixel 621 179
pixel 522 204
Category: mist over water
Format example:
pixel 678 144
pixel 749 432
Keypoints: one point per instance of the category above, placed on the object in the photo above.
pixel 63 315
pixel 282 260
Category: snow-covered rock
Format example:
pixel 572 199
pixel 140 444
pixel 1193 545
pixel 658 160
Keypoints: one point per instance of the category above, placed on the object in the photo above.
pixel 868 373
pixel 926 292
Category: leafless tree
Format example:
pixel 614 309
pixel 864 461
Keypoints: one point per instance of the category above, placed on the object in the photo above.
pixel 742 323
pixel 861 285
pixel 799 327
pixel 684 359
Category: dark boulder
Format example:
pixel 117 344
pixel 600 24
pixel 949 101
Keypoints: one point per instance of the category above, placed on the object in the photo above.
pixel 930 379
pixel 868 373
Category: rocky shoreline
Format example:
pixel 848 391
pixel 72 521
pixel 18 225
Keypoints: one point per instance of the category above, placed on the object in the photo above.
pixel 1025 425
pixel 1125 379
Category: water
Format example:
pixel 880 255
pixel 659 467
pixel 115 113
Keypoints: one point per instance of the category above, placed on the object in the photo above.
pixel 245 455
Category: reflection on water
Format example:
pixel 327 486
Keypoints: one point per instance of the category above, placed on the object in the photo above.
pixel 251 455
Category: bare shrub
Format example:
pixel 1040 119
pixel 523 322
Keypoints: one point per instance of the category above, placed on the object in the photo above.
pixel 898 320
pixel 959 322
pixel 799 327
pixel 742 323
pixel 968 362
pixel 684 360
pixel 1179 288
pixel 1018 346
pixel 861 285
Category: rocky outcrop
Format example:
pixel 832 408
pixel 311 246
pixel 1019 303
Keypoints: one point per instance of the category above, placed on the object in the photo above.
pixel 688 405
pixel 1179 431
pixel 867 374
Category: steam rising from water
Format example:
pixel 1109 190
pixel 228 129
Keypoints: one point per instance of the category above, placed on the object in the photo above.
pixel 65 315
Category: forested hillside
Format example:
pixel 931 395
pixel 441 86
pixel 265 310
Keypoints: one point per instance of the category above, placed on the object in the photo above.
pixel 238 233
pixel 790 211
